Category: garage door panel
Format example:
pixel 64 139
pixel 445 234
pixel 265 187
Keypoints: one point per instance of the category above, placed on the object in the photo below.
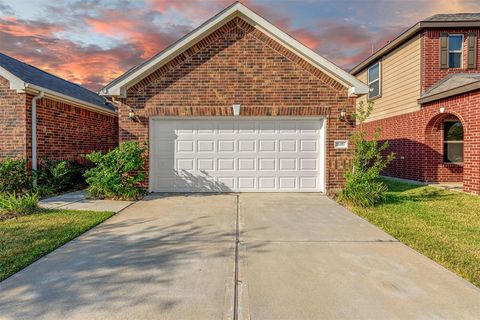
pixel 308 183
pixel 266 145
pixel 267 164
pixel 185 146
pixel 206 164
pixel 224 155
pixel 246 145
pixel 246 164
pixel 226 146
pixel 205 146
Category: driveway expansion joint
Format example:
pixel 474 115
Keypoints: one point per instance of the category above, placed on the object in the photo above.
pixel 237 245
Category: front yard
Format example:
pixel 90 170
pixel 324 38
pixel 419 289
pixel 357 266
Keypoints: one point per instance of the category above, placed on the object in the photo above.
pixel 27 238
pixel 443 225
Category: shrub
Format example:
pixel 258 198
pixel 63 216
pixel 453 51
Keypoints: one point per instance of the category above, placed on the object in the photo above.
pixel 116 174
pixel 21 204
pixel 60 176
pixel 363 186
pixel 14 176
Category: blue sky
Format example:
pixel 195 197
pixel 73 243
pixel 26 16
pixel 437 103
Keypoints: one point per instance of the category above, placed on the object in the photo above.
pixel 93 41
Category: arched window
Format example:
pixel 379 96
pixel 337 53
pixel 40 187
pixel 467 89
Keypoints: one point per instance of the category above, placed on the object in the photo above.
pixel 452 141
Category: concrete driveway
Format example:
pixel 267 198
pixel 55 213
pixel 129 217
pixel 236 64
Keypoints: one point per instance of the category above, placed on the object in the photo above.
pixel 292 256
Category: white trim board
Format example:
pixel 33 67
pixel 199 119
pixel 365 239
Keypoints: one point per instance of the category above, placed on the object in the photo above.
pixel 119 86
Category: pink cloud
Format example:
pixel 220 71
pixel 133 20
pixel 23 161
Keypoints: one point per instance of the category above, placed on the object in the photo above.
pixel 132 33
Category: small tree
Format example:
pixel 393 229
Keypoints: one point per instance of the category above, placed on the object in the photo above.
pixel 118 173
pixel 363 186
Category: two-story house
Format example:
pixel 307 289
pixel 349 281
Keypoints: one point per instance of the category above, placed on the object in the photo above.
pixel 425 85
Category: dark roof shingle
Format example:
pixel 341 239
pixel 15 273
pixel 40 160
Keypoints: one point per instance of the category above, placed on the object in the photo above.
pixel 456 17
pixel 40 78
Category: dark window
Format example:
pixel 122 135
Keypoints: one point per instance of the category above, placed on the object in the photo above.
pixel 455 50
pixel 374 81
pixel 452 142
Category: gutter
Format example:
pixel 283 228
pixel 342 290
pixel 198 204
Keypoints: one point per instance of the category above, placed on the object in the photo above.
pixel 40 95
pixel 68 99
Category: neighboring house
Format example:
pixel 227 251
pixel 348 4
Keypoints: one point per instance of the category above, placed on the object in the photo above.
pixel 238 105
pixel 68 120
pixel 425 85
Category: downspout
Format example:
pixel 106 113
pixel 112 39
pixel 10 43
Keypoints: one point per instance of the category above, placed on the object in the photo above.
pixel 34 131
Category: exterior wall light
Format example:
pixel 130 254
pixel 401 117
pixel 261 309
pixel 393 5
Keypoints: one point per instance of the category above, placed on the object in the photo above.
pixel 132 116
pixel 442 109
pixel 236 109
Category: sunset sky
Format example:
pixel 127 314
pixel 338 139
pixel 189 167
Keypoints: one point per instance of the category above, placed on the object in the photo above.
pixel 92 42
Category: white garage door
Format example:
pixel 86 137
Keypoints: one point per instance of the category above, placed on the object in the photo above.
pixel 244 155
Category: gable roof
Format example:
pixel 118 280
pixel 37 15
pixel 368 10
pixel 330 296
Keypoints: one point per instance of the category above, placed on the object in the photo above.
pixel 438 21
pixel 25 77
pixel 451 85
pixel 119 86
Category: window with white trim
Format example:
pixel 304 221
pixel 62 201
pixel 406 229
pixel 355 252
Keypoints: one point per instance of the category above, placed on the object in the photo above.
pixel 452 141
pixel 455 50
pixel 374 81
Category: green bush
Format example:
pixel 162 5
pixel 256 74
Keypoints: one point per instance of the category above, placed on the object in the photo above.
pixel 363 186
pixel 116 174
pixel 21 204
pixel 14 176
pixel 59 176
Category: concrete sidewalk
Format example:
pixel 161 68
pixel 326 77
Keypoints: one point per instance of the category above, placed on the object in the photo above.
pixel 79 200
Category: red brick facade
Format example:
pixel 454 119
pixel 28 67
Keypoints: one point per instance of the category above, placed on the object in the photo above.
pixel 432 73
pixel 64 131
pixel 240 64
pixel 417 137
pixel 13 129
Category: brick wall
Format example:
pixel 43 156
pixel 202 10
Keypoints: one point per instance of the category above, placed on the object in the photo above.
pixel 417 140
pixel 431 56
pixel 240 64
pixel 66 131
pixel 12 122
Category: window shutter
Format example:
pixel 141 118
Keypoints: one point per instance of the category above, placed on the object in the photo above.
pixel 444 50
pixel 472 51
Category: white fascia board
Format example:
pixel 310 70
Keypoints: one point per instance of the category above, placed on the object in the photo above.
pixel 15 82
pixel 356 87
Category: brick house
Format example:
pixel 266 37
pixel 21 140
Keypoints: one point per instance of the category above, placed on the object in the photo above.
pixel 425 85
pixel 238 105
pixel 62 119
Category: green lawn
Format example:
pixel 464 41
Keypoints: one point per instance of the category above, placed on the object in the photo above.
pixel 443 225
pixel 27 238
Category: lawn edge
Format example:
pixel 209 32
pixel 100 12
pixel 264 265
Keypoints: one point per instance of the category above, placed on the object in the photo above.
pixel 64 244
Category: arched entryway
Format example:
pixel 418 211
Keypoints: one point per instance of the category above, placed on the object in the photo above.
pixel 444 140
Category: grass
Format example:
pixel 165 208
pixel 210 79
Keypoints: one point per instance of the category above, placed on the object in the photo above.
pixel 441 224
pixel 27 238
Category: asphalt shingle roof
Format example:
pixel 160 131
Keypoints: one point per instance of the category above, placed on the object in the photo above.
pixel 35 76
pixel 460 17
pixel 452 81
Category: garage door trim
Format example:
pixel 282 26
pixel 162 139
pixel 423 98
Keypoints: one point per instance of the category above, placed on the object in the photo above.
pixel 322 146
